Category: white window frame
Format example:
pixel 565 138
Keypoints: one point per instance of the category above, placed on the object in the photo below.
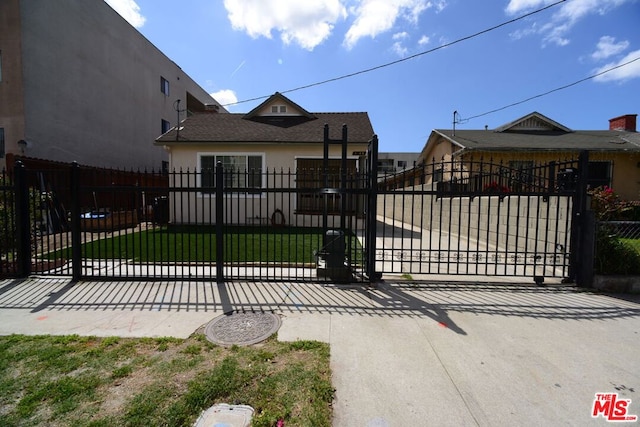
pixel 279 109
pixel 214 154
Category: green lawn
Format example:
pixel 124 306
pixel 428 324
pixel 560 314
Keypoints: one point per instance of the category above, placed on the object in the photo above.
pixel 294 245
pixel 633 243
pixel 89 381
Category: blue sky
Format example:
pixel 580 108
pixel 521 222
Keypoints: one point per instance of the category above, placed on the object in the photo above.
pixel 244 49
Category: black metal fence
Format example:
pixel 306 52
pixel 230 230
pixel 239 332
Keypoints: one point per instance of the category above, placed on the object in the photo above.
pixel 201 225
pixel 480 217
pixel 330 222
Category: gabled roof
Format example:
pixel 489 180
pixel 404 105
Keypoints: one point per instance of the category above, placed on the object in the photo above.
pixel 278 99
pixel 592 140
pixel 232 127
pixel 533 122
pixel 261 126
pixel 533 132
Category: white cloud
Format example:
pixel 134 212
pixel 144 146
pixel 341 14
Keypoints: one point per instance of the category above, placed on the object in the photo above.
pixel 309 23
pixel 374 17
pixel 129 10
pixel 607 47
pixel 397 46
pixel 627 72
pixel 563 20
pixel 306 23
pixel 424 40
pixel 399 49
pixel 225 96
pixel 400 36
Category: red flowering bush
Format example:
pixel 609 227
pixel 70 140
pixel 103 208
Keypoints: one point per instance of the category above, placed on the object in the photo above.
pixel 607 205
pixel 614 255
pixel 494 187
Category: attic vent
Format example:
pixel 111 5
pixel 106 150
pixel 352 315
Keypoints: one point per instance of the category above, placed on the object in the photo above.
pixel 533 123
pixel 275 109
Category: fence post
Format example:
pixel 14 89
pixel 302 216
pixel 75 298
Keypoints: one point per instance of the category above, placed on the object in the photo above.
pixel 372 206
pixel 219 223
pixel 23 235
pixel 581 232
pixel 76 238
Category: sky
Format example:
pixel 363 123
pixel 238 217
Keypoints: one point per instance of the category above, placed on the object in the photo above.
pixel 239 50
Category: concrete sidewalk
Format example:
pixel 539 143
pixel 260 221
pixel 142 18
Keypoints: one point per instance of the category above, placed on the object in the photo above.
pixel 435 353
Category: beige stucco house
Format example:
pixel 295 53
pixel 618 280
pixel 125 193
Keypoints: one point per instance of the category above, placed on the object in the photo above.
pixel 614 154
pixel 278 144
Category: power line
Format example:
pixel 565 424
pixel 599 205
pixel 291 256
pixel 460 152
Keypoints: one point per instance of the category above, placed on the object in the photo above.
pixel 388 64
pixel 553 90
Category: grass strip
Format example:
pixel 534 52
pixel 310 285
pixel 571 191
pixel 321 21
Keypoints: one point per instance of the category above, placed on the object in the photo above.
pixel 90 381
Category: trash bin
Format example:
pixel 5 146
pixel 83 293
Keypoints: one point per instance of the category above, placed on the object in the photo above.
pixel 331 259
pixel 161 210
pixel 335 248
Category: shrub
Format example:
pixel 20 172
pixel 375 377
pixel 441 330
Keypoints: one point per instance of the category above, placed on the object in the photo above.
pixel 613 255
pixel 607 205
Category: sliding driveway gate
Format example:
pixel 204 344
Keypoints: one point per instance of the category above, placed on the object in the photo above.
pixel 478 217
pixel 334 220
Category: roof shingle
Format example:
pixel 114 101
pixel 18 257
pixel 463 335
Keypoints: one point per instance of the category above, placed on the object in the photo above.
pixel 233 127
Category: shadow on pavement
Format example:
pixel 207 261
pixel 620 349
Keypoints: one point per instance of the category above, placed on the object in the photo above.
pixel 435 300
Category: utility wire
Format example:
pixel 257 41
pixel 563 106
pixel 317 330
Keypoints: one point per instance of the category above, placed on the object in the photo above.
pixel 552 90
pixel 388 64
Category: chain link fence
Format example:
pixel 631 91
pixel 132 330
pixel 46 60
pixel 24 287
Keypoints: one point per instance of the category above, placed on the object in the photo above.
pixel 618 247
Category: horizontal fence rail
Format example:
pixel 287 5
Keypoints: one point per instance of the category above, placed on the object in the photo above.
pixel 190 225
pixel 318 223
pixel 466 217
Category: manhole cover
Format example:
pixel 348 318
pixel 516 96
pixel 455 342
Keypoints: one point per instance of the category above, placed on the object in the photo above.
pixel 242 328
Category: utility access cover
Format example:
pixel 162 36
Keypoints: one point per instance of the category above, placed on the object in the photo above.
pixel 242 328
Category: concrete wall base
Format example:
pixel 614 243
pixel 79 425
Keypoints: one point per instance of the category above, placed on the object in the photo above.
pixel 627 284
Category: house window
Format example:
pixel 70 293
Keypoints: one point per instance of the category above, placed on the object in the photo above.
pixel 1 143
pixel 241 171
pixel 520 173
pixel 310 176
pixel 165 126
pixel 599 174
pixel 402 164
pixel 438 175
pixel 164 86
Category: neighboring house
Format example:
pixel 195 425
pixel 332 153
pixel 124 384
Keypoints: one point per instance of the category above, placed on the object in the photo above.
pixel 278 136
pixel 614 154
pixel 79 83
pixel 389 163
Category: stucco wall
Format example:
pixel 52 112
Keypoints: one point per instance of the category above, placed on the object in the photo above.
pixel 195 207
pixel 11 104
pixel 625 178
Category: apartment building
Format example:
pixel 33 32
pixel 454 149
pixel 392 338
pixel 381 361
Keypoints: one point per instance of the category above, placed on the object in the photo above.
pixel 79 83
